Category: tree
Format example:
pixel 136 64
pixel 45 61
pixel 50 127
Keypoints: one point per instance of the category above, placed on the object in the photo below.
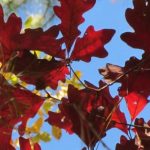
pixel 44 60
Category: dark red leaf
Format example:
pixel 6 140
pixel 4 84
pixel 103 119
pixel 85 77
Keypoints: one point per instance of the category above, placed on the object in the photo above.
pixel 33 39
pixel 138 79
pixel 139 19
pixel 92 44
pixel 70 13
pixel 39 72
pixel 126 144
pixel 142 130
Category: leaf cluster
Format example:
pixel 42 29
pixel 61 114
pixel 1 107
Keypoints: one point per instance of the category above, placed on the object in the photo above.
pixel 43 60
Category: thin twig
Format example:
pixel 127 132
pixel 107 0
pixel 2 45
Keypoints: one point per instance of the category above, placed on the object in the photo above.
pixel 76 76
pixel 114 81
pixel 113 110
pixel 136 126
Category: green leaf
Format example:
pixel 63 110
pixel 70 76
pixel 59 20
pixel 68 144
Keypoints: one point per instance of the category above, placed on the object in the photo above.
pixel 47 106
pixel 45 137
pixel 34 21
pixel 28 22
pixel 36 139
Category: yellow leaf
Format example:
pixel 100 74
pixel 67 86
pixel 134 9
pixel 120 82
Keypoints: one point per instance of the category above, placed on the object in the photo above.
pixel 48 57
pixel 56 132
pixel 0 64
pixel 36 52
pixel 36 139
pixel 36 92
pixel 12 78
pixel 35 128
pixel 75 81
pixel 24 84
pixel 47 105
pixel 40 112
pixel 74 78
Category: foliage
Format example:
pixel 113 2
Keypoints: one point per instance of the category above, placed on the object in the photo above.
pixel 43 60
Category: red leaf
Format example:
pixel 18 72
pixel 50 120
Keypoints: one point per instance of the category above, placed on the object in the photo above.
pixel 70 13
pixel 33 39
pixel 120 121
pixel 92 44
pixel 5 137
pixel 139 19
pixel 17 105
pixel 24 144
pixel 135 103
pixel 60 119
pixel 8 33
pixel 37 146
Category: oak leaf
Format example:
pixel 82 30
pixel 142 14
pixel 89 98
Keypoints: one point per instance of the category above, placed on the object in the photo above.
pixel 91 44
pixel 70 13
pixel 139 19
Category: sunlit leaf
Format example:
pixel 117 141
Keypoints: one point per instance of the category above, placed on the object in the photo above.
pixel 28 22
pixel 135 103
pixel 36 139
pixel 12 78
pixel 35 128
pixel 56 132
pixel 47 105
pixel 34 21
pixel 75 81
